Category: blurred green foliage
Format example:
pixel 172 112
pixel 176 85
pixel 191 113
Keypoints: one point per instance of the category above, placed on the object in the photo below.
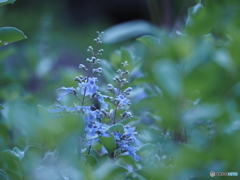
pixel 186 101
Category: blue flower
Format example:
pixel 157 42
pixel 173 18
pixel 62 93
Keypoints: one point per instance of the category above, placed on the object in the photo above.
pixel 66 91
pixel 122 101
pixel 89 87
pixel 132 152
pixel 93 126
pixel 126 141
pixel 90 115
pixel 130 132
pixel 101 100
pixel 96 128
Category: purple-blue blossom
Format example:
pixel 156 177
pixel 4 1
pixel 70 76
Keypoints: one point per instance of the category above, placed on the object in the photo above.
pixel 127 141
pixel 101 100
pixel 93 123
pixel 66 91
pixel 89 87
pixel 122 101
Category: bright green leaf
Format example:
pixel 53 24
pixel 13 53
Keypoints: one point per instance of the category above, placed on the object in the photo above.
pixel 149 41
pixel 10 161
pixel 117 127
pixel 144 173
pixel 95 154
pixel 91 160
pixel 198 21
pixel 4 2
pixel 127 55
pixel 9 35
pixel 109 143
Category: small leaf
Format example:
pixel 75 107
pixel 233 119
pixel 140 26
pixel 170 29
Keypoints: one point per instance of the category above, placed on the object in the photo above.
pixel 9 35
pixel 91 160
pixel 109 143
pixel 117 127
pixel 4 2
pixel 1 107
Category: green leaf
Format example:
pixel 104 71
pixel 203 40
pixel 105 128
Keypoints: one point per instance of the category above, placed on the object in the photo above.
pixel 144 173
pixel 1 107
pixel 198 22
pixel 18 152
pixel 146 147
pixel 9 35
pixel 127 55
pixel 128 30
pixel 108 171
pixel 117 127
pixel 168 78
pixel 13 175
pixel 32 156
pixel 109 143
pixel 104 159
pixel 4 2
pixel 95 154
pixel 126 161
pixel 116 59
pixel 193 12
pixel 3 175
pixel 91 160
pixel 149 41
pixel 10 161
pixel 31 159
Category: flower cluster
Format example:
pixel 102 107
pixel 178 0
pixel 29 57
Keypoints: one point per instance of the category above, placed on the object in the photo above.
pixel 126 140
pixel 87 90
